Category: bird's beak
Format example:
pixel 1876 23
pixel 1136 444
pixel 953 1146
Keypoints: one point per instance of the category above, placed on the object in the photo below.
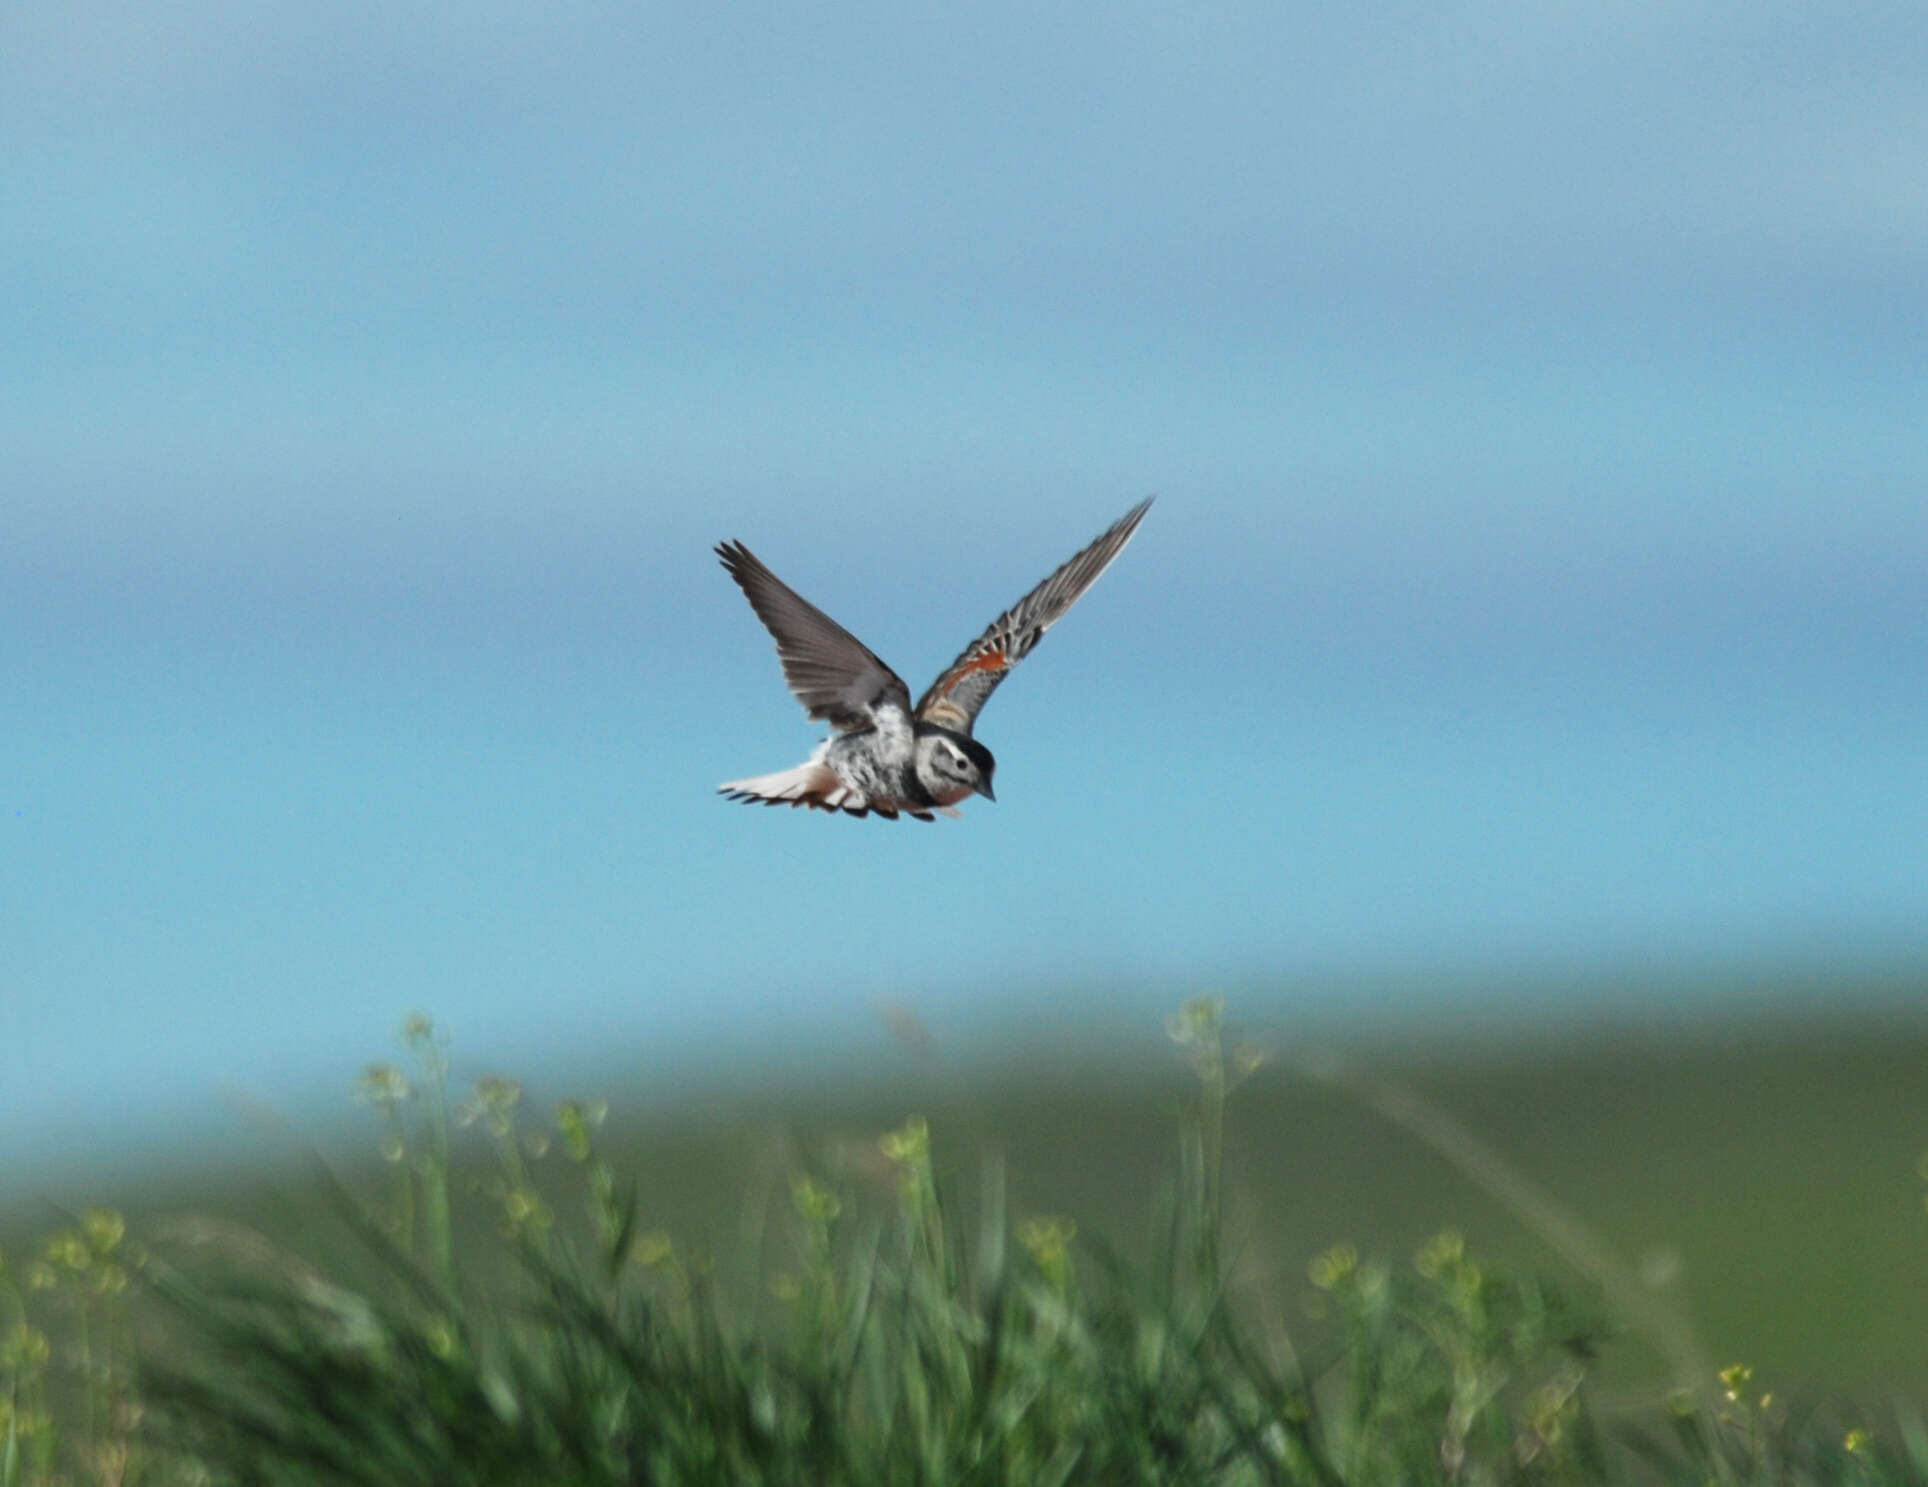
pixel 985 790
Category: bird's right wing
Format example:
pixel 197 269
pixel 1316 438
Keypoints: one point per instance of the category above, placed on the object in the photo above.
pixel 955 698
pixel 833 673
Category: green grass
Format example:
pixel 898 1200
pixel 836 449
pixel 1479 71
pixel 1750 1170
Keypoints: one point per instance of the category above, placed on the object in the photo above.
pixel 500 1306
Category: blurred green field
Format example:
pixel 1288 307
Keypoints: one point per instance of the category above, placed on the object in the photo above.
pixel 1762 1185
pixel 1761 1181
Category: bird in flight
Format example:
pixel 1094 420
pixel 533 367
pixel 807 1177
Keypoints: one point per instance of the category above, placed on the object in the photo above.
pixel 884 755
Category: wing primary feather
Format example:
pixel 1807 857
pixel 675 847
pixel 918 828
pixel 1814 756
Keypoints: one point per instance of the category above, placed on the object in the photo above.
pixel 958 695
pixel 833 674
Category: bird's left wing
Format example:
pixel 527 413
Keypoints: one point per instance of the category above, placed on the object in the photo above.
pixel 955 698
pixel 834 674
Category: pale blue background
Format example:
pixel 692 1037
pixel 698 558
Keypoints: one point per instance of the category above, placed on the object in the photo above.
pixel 1536 395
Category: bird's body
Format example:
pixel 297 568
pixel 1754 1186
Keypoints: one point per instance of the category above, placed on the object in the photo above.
pixel 885 755
pixel 874 770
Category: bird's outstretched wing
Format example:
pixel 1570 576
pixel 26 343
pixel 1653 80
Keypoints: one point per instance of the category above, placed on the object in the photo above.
pixel 955 698
pixel 834 674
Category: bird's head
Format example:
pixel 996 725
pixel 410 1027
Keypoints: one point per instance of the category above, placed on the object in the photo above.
pixel 954 765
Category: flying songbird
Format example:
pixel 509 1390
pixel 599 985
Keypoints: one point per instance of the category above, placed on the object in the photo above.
pixel 884 755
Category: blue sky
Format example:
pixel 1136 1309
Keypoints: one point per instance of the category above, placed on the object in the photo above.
pixel 1533 395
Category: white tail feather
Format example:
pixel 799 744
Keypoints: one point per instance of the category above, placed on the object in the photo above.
pixel 812 784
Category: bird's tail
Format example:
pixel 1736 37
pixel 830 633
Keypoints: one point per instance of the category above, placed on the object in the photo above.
pixel 813 784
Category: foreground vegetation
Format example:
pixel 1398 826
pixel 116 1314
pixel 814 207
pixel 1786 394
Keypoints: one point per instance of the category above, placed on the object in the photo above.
pixel 892 1322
